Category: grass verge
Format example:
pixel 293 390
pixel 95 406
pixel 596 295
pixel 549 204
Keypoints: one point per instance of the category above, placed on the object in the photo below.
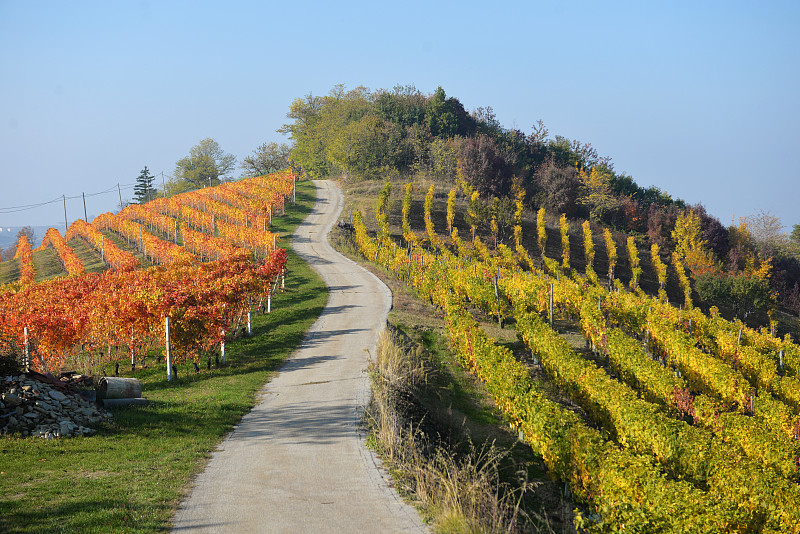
pixel 9 271
pixel 47 264
pixel 132 475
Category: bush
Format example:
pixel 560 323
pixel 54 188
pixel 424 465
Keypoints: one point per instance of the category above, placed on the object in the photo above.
pixel 740 293
pixel 10 362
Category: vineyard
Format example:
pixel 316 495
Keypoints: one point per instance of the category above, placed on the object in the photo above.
pixel 676 421
pixel 213 261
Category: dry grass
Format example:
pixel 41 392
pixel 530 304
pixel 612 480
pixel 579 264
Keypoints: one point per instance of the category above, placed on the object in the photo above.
pixel 457 492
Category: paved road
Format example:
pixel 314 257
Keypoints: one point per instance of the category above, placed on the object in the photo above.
pixel 297 462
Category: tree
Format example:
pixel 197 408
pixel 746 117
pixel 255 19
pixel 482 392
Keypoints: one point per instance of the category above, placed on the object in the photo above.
pixel 690 245
pixel 485 166
pixel 306 133
pixel 714 233
pixel 445 117
pixel 741 293
pixel 558 187
pixel 743 252
pixel 266 159
pixel 594 192
pixel 11 251
pixel 144 191
pixel 795 235
pixel 766 229
pixel 444 157
pixel 360 148
pixel 206 165
pixel 660 222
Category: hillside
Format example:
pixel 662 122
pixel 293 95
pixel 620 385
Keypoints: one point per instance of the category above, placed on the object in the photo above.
pixel 665 409
pixel 749 270
pixel 132 474
pixel 55 298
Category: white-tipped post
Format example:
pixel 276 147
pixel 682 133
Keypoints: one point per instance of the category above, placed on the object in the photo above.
pixel 168 350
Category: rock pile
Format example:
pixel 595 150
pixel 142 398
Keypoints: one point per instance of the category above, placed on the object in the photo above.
pixel 37 408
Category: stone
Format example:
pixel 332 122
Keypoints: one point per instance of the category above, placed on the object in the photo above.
pixel 11 399
pixel 34 408
pixel 57 395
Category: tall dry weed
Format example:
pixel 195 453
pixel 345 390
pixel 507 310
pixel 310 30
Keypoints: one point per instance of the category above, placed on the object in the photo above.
pixel 460 493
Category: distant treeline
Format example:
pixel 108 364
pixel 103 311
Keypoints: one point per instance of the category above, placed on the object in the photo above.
pixel 377 134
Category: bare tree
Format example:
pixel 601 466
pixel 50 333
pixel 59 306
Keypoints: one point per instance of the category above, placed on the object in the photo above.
pixel 267 158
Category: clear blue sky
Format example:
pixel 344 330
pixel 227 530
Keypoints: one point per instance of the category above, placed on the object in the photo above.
pixel 698 98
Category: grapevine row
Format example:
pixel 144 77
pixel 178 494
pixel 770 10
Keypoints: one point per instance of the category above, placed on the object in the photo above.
pixel 157 250
pixel 513 393
pixel 739 468
pixel 111 254
pixel 25 256
pixel 70 261
pixel 759 437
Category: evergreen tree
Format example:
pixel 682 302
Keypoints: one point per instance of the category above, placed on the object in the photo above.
pixel 144 191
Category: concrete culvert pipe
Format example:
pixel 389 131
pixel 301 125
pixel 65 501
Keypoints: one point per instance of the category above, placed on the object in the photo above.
pixel 112 387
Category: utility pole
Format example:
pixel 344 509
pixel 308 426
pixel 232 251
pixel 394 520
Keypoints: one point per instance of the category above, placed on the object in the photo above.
pixel 85 217
pixel 66 226
pixel 120 195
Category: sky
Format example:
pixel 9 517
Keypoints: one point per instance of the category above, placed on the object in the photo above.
pixel 697 98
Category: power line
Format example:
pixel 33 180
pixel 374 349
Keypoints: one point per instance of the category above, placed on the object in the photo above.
pixel 14 209
pixel 27 207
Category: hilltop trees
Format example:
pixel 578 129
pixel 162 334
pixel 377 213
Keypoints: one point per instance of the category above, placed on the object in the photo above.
pixel 206 165
pixel 361 134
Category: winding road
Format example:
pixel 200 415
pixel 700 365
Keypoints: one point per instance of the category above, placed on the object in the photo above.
pixel 297 462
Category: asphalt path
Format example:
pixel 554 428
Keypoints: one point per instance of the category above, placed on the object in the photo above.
pixel 297 462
